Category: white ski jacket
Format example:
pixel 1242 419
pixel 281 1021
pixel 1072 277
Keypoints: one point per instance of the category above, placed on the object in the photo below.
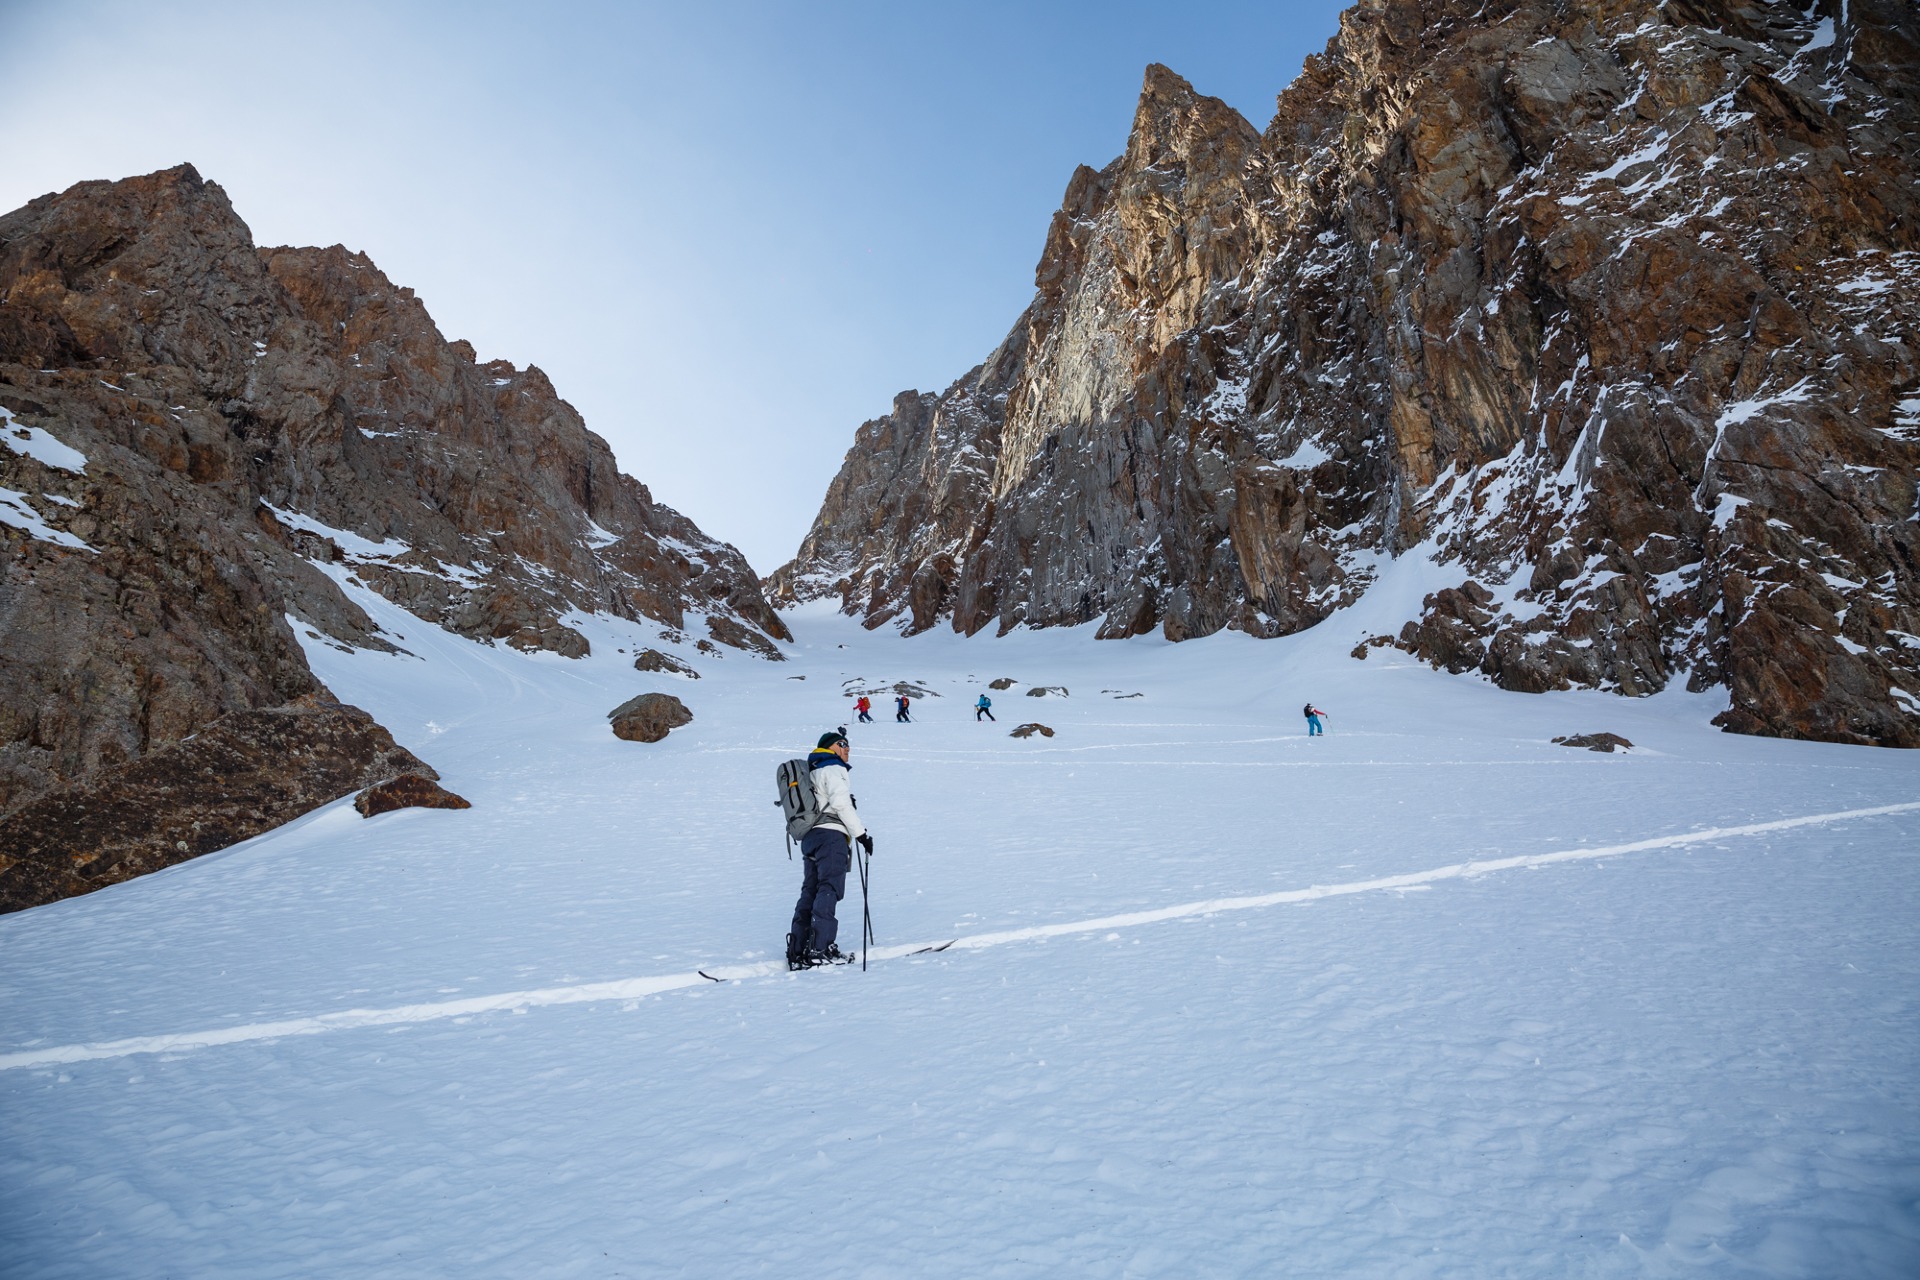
pixel 831 787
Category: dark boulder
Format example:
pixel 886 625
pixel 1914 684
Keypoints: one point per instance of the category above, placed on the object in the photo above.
pixel 649 717
pixel 1595 741
pixel 408 791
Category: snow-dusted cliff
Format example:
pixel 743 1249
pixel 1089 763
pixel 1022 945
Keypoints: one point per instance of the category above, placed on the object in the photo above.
pixel 200 440
pixel 1611 309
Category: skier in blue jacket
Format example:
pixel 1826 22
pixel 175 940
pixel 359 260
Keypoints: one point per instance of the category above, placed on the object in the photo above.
pixel 984 707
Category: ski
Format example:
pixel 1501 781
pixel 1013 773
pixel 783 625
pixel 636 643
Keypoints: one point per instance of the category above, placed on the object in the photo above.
pixel 795 966
pixel 709 977
pixel 927 951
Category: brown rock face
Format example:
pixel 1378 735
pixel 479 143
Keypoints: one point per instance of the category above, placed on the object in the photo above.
pixel 1610 311
pixel 1028 730
pixel 257 426
pixel 200 439
pixel 649 717
pixel 654 660
pixel 408 791
pixel 245 773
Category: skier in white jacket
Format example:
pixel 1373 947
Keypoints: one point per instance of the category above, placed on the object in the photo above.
pixel 827 850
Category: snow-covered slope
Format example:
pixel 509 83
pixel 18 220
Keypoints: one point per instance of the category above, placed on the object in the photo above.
pixel 1426 996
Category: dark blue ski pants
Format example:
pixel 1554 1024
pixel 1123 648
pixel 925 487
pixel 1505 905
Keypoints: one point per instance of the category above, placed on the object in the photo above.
pixel 827 857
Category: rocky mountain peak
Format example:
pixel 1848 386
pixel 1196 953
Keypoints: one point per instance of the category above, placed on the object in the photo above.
pixel 1607 313
pixel 149 270
pixel 201 439
pixel 1174 127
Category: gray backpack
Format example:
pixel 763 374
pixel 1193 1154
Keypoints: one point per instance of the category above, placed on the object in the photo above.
pixel 799 805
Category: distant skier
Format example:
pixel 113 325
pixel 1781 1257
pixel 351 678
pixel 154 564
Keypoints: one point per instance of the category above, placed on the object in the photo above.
pixel 1313 715
pixel 865 708
pixel 827 853
pixel 900 705
pixel 984 707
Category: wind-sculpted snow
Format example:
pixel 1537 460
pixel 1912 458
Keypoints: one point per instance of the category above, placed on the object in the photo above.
pixel 1610 311
pixel 629 989
pixel 1429 995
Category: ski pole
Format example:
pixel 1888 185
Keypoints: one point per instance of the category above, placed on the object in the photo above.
pixel 866 912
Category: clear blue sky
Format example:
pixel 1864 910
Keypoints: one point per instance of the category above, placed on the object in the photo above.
pixel 728 232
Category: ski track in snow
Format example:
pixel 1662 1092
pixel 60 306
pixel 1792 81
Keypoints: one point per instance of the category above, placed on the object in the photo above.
pixel 636 988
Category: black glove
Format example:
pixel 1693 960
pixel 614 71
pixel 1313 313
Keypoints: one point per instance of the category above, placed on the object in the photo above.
pixel 866 842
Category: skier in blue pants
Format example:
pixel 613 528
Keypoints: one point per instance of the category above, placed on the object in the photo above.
pixel 1313 715
pixel 827 850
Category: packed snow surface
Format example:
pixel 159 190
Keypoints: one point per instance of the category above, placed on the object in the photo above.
pixel 1428 995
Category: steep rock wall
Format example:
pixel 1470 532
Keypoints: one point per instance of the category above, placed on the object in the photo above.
pixel 1611 309
pixel 245 419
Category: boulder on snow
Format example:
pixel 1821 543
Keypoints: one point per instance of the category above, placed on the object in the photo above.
pixel 654 660
pixel 1028 730
pixel 1595 741
pixel 648 717
pixel 1042 690
pixel 1004 682
pixel 408 791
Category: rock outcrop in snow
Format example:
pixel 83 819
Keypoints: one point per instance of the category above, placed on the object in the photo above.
pixel 244 774
pixel 407 791
pixel 1613 311
pixel 199 439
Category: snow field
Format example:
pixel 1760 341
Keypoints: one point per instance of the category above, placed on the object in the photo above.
pixel 1693 1059
pixel 629 989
